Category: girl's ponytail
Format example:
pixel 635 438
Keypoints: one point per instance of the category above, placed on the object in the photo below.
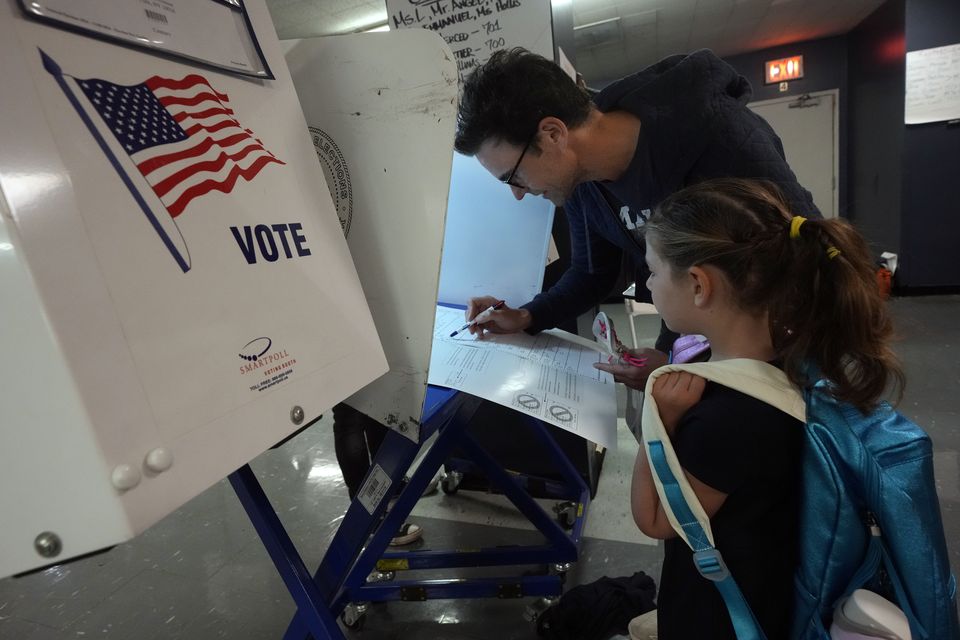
pixel 832 315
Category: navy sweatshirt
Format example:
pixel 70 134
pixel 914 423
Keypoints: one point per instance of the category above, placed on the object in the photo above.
pixel 694 125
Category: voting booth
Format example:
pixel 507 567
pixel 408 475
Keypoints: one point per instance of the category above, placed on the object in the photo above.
pixel 177 292
pixel 425 227
pixel 381 111
pixel 495 244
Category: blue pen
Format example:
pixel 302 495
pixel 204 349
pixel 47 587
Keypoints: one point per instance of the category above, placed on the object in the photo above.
pixel 486 311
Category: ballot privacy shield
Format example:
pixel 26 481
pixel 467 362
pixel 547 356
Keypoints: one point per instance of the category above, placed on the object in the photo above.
pixel 178 294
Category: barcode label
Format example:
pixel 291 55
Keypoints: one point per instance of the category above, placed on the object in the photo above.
pixel 374 489
pixel 371 490
pixel 156 16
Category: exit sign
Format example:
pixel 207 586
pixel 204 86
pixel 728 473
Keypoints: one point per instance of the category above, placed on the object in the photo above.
pixel 782 70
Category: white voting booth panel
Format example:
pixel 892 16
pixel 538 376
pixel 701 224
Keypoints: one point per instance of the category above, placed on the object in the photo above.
pixel 164 315
pixel 494 244
pixel 381 108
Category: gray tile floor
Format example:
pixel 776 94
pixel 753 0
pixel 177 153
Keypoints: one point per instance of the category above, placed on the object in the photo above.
pixel 202 573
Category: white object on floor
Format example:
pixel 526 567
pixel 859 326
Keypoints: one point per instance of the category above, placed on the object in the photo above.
pixel 890 260
pixel 408 534
pixel 644 627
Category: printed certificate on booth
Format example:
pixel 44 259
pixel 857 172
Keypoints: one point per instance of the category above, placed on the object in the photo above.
pixel 215 32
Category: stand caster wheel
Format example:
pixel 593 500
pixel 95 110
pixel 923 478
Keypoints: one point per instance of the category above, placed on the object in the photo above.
pixel 451 482
pixel 561 569
pixel 354 615
pixel 566 514
pixel 537 607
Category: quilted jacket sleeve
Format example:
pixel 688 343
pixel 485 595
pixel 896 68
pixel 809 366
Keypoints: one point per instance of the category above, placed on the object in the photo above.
pixel 594 268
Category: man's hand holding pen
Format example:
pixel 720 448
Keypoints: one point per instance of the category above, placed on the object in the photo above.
pixel 494 316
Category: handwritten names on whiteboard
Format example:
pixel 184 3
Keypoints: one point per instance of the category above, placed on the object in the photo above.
pixel 475 29
pixel 933 85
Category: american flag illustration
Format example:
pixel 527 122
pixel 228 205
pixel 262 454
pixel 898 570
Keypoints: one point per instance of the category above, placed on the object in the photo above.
pixel 180 134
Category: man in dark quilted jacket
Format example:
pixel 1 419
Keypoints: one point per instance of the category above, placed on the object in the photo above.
pixel 608 161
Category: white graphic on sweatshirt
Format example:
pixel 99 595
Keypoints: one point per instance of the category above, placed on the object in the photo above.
pixel 633 222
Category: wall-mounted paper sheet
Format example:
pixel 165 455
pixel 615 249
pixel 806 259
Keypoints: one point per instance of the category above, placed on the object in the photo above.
pixel 933 85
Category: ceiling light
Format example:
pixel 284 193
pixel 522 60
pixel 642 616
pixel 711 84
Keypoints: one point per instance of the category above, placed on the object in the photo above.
pixel 369 20
pixel 598 23
pixel 596 34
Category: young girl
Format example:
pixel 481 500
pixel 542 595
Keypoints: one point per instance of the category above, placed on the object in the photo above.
pixel 728 261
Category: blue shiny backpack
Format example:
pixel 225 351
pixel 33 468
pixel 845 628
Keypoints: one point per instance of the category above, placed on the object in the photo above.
pixel 870 517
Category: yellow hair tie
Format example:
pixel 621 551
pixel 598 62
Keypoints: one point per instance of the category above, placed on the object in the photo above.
pixel 832 252
pixel 795 223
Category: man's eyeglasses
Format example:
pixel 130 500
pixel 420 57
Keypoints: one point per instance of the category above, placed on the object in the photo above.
pixel 509 179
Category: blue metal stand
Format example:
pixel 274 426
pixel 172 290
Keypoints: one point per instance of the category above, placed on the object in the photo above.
pixel 361 542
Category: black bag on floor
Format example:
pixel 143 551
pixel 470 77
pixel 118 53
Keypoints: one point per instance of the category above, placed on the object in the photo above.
pixel 598 610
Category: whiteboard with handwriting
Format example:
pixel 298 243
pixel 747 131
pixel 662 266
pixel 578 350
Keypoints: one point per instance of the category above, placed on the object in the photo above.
pixel 933 85
pixel 475 29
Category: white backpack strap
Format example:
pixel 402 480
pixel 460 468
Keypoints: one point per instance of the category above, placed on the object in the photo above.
pixel 752 377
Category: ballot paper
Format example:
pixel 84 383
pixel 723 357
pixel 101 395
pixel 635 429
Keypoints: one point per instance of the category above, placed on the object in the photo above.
pixel 549 376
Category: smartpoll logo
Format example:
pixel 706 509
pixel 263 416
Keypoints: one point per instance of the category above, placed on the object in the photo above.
pixel 267 365
pixel 254 350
